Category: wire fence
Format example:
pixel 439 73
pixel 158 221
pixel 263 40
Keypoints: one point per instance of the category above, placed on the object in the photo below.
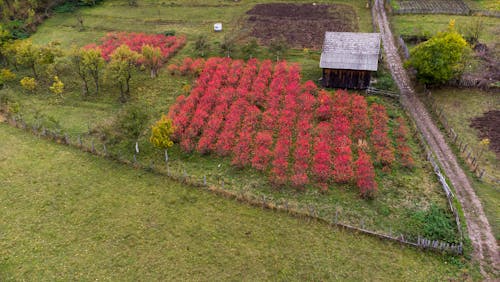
pixel 220 187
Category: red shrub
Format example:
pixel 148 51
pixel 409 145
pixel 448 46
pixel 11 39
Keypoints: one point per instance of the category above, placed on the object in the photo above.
pixel 365 175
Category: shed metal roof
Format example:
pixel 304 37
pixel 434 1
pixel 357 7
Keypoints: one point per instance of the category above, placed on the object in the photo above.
pixel 350 50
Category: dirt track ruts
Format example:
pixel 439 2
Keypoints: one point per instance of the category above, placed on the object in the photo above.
pixel 483 241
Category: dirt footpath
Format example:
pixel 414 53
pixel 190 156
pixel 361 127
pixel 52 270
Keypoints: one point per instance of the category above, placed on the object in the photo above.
pixel 486 250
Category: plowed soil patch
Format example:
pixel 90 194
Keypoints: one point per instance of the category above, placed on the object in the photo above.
pixel 302 25
pixel 487 124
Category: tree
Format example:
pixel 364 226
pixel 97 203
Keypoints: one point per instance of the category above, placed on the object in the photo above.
pixel 27 55
pixel 123 62
pixel 89 64
pixel 474 29
pixel 250 49
pixel 152 59
pixel 278 47
pixel 93 63
pixel 161 134
pixel 201 45
pixel 34 57
pixel 227 45
pixel 5 37
pixel 440 58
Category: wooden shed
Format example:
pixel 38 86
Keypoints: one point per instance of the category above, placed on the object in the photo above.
pixel 348 58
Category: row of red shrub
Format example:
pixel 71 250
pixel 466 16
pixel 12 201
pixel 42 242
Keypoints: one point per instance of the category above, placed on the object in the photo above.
pixel 168 45
pixel 262 116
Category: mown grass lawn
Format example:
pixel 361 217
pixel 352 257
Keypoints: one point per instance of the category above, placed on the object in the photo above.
pixel 67 215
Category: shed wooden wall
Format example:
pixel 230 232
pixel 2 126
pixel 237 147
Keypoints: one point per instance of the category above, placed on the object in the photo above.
pixel 351 79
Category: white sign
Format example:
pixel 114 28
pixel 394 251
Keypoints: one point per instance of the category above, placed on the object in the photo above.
pixel 218 27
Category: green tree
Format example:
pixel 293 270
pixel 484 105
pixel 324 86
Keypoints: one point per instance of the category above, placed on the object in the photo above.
pixel 152 59
pixel 123 61
pixel 201 45
pixel 227 45
pixel 278 47
pixel 440 58
pixel 76 57
pixel 250 49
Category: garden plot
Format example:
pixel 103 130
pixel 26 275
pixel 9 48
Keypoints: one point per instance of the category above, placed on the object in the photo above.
pixel 301 25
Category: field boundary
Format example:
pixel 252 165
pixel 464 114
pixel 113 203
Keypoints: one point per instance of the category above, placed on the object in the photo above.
pixel 310 212
pixel 465 149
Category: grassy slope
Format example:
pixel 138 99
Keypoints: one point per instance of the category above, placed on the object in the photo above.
pixel 460 106
pixel 67 215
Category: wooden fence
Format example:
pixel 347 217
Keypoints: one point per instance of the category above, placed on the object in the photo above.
pixel 309 212
pixel 465 149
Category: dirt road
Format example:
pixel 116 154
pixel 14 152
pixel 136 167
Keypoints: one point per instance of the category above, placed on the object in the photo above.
pixel 486 250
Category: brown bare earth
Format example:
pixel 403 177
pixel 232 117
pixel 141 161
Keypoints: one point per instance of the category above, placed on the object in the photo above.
pixel 487 124
pixel 486 251
pixel 302 25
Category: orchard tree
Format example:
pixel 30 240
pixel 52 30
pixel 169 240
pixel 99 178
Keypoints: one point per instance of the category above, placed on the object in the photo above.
pixel 76 57
pixel 440 58
pixel 27 55
pixel 123 61
pixel 201 45
pixel 93 62
pixel 278 47
pixel 152 59
pixel 250 49
pixel 89 64
pixel 227 45
pixel 35 57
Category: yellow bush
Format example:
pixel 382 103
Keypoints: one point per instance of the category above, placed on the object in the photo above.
pixel 57 87
pixel 29 83
pixel 7 75
pixel 161 133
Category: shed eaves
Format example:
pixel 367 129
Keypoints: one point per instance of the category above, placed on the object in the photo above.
pixel 350 50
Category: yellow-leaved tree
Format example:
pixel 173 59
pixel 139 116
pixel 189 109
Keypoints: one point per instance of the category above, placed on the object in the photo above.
pixel 161 134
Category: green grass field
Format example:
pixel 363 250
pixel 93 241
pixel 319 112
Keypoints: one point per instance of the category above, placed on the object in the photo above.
pixel 67 215
pixel 460 107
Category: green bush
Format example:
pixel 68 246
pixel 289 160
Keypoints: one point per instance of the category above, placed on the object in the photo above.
pixel 435 224
pixel 169 33
pixel 130 123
